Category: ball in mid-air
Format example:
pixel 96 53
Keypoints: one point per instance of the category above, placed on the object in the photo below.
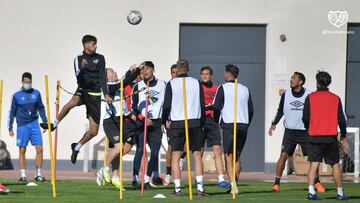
pixel 134 17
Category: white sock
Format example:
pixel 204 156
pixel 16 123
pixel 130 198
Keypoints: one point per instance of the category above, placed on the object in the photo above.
pixel 146 179
pixel 38 172
pixel 55 123
pixel 232 187
pixel 135 178
pixel 199 183
pixel 177 185
pixel 78 146
pixel 311 190
pixel 340 191
pixel 106 168
pixel 22 171
pixel 221 178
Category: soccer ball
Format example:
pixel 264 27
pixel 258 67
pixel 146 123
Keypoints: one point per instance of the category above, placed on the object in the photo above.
pixel 134 17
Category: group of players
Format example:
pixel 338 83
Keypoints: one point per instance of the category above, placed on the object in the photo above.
pixel 311 120
pixel 206 103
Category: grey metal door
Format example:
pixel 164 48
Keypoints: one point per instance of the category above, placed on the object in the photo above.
pixel 352 76
pixel 244 46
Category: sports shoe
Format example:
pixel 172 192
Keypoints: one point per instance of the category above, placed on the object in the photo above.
pixel 276 188
pixel 45 126
pixel 319 187
pixel 343 197
pixel 176 194
pixel 157 181
pixel 230 191
pixel 181 164
pixel 99 177
pixel 3 189
pixel 136 185
pixel 40 179
pixel 147 186
pixel 313 197
pixel 166 181
pixel 224 184
pixel 106 174
pixel 74 153
pixel 115 181
pixel 23 180
pixel 202 193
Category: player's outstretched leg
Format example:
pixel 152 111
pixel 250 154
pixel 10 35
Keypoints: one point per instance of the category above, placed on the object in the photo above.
pixel 92 132
pixel 74 101
pixel 279 170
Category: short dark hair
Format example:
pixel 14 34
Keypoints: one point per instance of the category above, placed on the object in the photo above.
pixel 89 38
pixel 173 67
pixel 301 77
pixel 206 68
pixel 26 75
pixel 231 68
pixel 149 64
pixel 182 64
pixel 323 78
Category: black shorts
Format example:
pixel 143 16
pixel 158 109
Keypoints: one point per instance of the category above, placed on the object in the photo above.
pixel 292 138
pixel 196 139
pixel 169 135
pixel 329 152
pixel 212 132
pixel 92 104
pixel 112 131
pixel 228 138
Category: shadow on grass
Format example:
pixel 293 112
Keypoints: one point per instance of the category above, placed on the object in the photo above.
pixel 14 183
pixel 12 192
pixel 349 197
pixel 256 192
pixel 215 184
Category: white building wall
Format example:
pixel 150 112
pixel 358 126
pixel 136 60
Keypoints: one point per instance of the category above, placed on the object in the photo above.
pixel 44 36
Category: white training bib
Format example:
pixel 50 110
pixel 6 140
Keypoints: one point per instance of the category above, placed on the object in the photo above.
pixel 114 108
pixel 243 94
pixel 293 110
pixel 156 99
pixel 192 99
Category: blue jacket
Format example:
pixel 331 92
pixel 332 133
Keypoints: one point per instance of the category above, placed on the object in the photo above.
pixel 25 107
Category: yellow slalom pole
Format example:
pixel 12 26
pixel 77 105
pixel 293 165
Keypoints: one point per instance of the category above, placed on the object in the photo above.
pixel 234 143
pixel 187 138
pixel 106 145
pixel 1 94
pixel 50 136
pixel 121 137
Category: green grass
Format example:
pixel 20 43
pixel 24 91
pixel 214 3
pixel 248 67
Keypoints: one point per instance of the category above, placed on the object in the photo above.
pixel 87 191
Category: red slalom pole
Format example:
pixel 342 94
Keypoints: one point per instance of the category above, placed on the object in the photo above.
pixel 145 133
pixel 57 104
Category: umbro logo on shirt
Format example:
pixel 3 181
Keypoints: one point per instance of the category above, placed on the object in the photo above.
pixel 96 61
pixel 297 104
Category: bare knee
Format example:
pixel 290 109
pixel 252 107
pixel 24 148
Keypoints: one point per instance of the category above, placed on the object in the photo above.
pixel 197 154
pixel 71 104
pixel 22 150
pixel 217 151
pixel 283 157
pixel 39 149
